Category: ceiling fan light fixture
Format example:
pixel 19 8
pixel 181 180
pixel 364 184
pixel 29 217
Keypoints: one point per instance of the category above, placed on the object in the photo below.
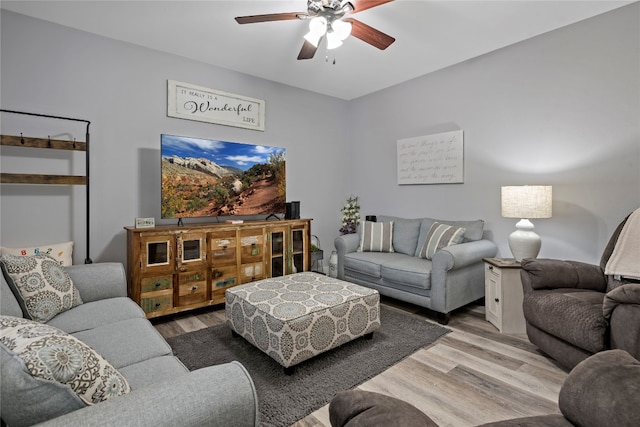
pixel 333 41
pixel 341 28
pixel 317 29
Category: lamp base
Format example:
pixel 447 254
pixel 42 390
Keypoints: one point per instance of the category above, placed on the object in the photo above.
pixel 523 242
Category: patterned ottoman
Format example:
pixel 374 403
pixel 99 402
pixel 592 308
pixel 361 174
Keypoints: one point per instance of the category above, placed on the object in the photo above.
pixel 295 317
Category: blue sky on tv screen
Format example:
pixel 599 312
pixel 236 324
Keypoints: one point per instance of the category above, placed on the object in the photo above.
pixel 224 153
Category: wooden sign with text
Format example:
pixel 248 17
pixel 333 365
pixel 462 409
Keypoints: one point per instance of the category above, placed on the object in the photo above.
pixel 191 102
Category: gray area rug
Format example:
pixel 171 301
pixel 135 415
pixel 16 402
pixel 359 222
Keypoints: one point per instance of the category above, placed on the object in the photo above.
pixel 285 399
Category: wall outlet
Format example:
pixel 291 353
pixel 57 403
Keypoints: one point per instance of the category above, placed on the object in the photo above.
pixel 145 222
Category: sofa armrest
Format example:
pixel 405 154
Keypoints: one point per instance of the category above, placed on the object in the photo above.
pixel 217 395
pixel 345 244
pixel 458 256
pixel 539 273
pixel 99 281
pixel 625 294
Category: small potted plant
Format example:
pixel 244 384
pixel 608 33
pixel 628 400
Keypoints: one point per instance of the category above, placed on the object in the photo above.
pixel 350 216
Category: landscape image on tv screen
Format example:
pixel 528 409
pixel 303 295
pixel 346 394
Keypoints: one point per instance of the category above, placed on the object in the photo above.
pixel 206 177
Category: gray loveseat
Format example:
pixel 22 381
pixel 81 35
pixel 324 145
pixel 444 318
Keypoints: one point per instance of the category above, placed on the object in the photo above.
pixel 454 277
pixel 163 392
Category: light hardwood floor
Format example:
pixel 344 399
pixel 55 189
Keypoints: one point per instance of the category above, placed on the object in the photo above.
pixel 471 376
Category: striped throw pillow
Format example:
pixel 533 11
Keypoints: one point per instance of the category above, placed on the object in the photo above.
pixel 440 236
pixel 376 236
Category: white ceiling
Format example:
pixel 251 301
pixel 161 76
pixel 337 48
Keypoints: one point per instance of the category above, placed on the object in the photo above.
pixel 430 35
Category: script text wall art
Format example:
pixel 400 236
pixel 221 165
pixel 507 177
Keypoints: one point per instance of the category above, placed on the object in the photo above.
pixel 431 159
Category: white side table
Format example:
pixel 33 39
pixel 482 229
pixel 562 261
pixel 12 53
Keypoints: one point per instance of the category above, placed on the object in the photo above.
pixel 503 295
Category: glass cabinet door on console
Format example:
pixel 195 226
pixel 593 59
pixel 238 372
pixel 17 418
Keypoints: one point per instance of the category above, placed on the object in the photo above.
pixel 223 249
pixel 299 252
pixel 191 250
pixel 156 253
pixel 277 242
pixel 252 255
pixel 287 250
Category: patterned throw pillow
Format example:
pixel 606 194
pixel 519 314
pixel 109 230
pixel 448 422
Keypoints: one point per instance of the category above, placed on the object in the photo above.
pixel 376 237
pixel 440 236
pixel 52 355
pixel 61 252
pixel 43 287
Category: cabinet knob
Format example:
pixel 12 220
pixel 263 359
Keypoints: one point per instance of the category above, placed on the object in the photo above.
pixel 491 267
pixel 158 304
pixel 497 300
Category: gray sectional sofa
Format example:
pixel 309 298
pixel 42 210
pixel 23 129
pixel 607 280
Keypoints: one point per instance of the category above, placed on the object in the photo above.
pixel 452 278
pixel 163 391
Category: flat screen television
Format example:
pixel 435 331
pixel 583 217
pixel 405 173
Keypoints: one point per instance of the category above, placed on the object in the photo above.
pixel 208 178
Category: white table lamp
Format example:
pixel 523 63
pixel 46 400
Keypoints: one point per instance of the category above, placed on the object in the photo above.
pixel 524 202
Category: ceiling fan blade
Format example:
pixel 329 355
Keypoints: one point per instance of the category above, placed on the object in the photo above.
pixel 308 50
pixel 269 17
pixel 360 5
pixel 369 34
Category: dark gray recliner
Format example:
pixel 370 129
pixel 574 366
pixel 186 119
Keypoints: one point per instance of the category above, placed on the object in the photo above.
pixel 603 390
pixel 573 310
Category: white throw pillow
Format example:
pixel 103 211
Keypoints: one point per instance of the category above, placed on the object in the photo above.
pixel 61 252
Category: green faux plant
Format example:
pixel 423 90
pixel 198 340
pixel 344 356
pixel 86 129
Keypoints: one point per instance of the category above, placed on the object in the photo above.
pixel 350 216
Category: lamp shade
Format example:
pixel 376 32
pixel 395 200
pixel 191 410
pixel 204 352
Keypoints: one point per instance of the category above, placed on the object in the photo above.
pixel 527 201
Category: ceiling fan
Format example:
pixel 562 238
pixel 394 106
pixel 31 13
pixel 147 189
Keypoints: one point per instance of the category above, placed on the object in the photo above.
pixel 327 18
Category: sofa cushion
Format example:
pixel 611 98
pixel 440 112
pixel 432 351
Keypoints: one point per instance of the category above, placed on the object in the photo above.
pixel 370 263
pixel 408 271
pixel 376 237
pixel 127 342
pixel 92 314
pixel 50 366
pixel 405 233
pixel 151 371
pixel 61 252
pixel 574 316
pixel 41 285
pixel 440 236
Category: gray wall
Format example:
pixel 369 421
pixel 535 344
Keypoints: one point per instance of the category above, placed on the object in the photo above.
pixel 121 89
pixel 559 109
